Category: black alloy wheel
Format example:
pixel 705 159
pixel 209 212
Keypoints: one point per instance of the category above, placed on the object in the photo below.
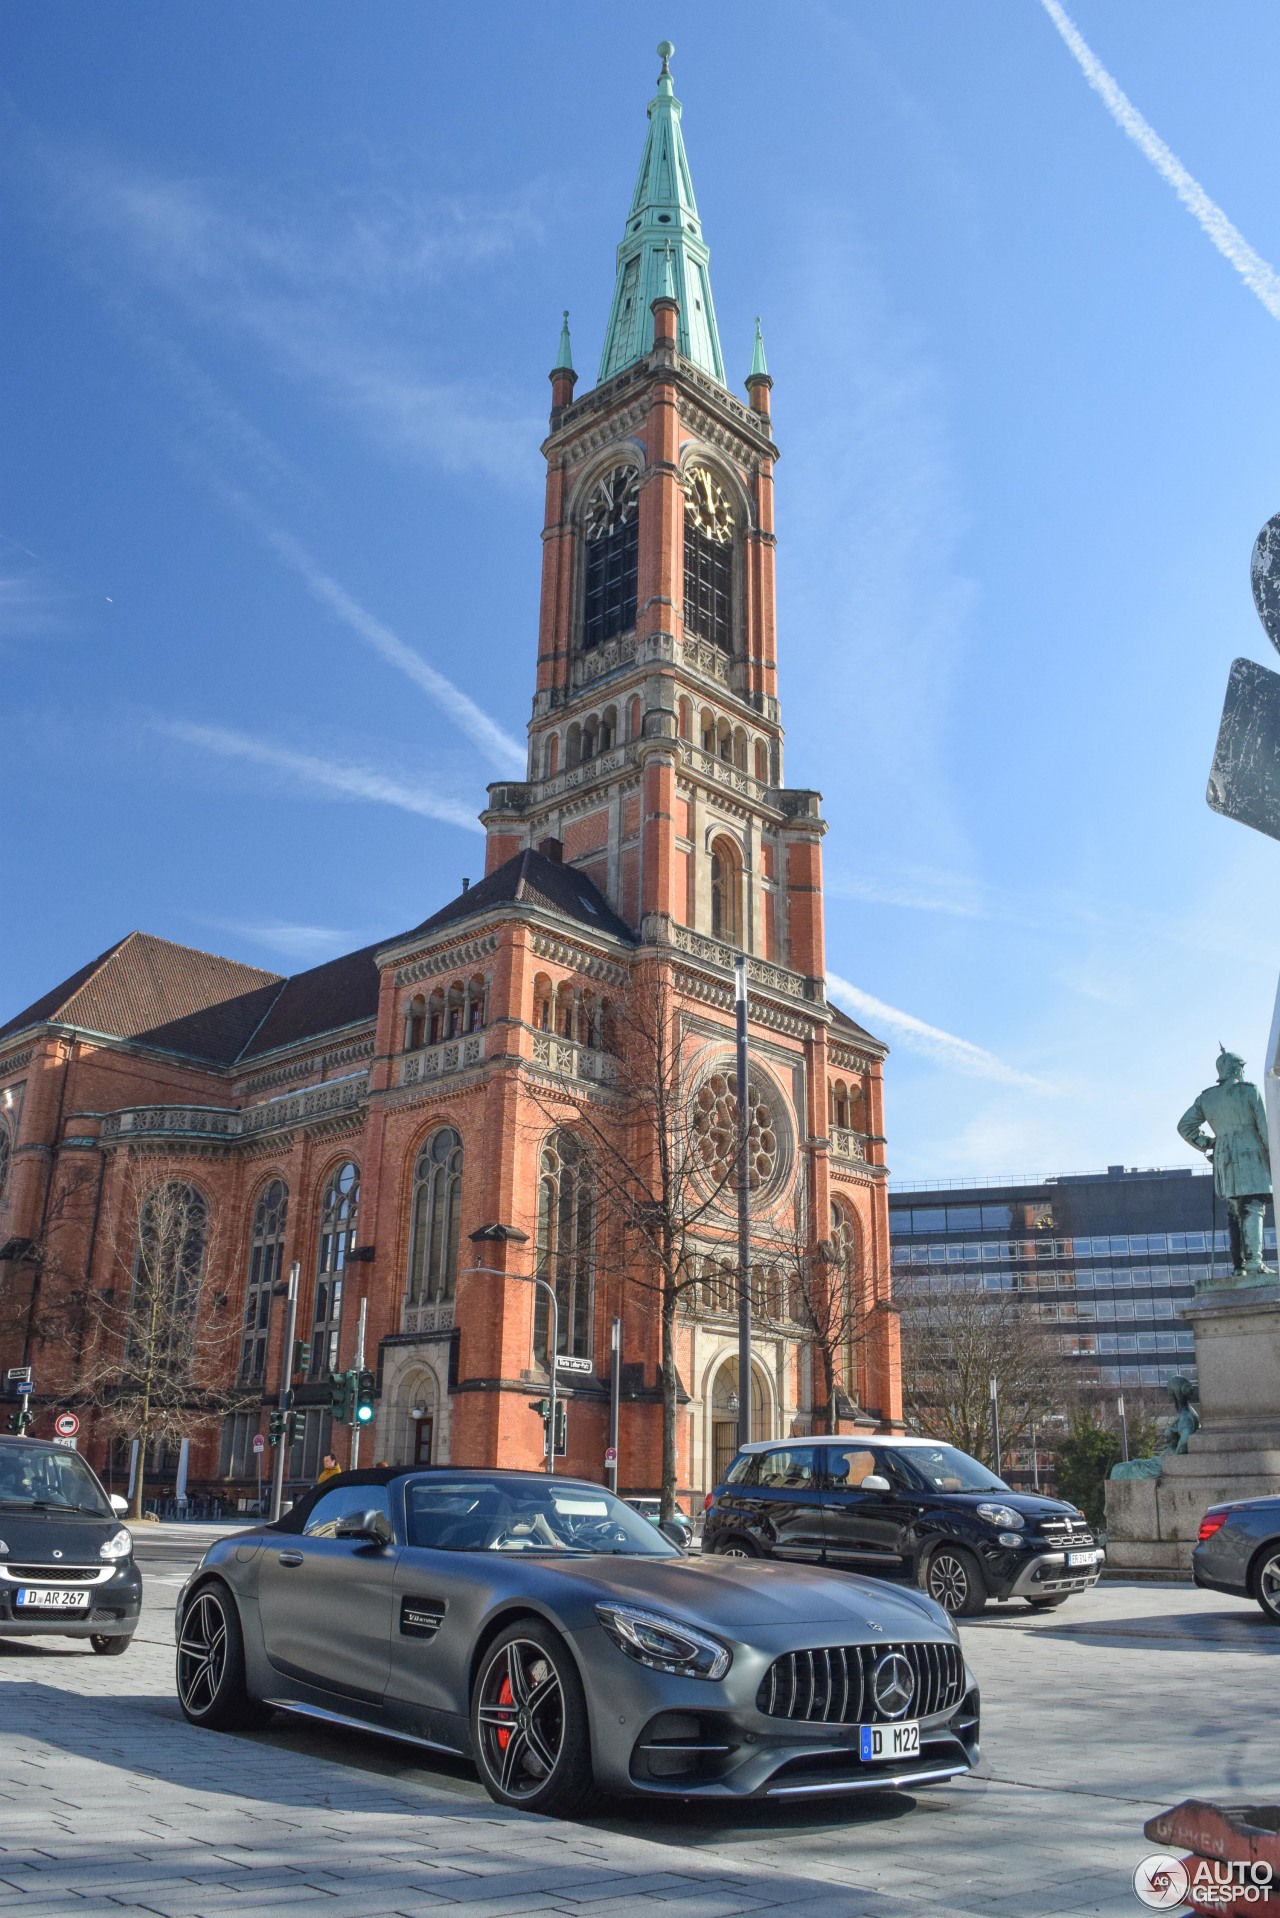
pixel 737 1548
pixel 953 1579
pixel 211 1678
pixel 1266 1583
pixel 110 1645
pixel 529 1723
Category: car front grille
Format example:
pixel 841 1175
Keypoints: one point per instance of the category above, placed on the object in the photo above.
pixel 55 1574
pixel 1061 1533
pixel 833 1685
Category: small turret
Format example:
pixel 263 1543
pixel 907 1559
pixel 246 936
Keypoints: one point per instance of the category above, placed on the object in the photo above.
pixel 563 377
pixel 758 381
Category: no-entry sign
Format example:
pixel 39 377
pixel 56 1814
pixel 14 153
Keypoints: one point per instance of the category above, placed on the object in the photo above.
pixel 259 1443
pixel 66 1425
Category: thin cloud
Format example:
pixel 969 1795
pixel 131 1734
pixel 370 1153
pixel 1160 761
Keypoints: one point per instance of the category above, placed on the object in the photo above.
pixel 311 944
pixel 876 893
pixel 321 775
pixel 1260 278
pixel 944 1048
pixel 497 745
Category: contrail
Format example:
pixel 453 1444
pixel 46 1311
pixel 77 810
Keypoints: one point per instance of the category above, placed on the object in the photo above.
pixel 944 1047
pixel 498 746
pixel 1230 242
pixel 356 782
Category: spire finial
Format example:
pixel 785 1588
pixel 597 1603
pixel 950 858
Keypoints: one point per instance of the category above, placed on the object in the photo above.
pixel 665 51
pixel 759 370
pixel 564 358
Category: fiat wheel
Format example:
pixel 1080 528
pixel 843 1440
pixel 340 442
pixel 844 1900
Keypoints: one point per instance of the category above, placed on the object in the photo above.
pixel 1266 1584
pixel 737 1548
pixel 529 1723
pixel 954 1581
pixel 109 1645
pixel 211 1675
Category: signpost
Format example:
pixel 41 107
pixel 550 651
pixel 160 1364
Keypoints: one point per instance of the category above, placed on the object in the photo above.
pixel 564 1363
pixel 66 1425
pixel 259 1447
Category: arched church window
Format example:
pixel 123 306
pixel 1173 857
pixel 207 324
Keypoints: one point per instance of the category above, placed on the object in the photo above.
pixel 6 1149
pixel 708 558
pixel 339 1208
pixel 726 893
pixel 611 532
pixel 843 1316
pixel 266 1249
pixel 566 1245
pixel 415 1024
pixel 437 1204
pixel 173 1229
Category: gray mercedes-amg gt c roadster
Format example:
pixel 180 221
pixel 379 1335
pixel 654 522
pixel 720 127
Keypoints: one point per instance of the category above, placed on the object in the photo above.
pixel 542 1628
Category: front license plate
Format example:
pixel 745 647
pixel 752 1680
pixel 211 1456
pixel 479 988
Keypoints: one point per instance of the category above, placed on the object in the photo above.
pixel 68 1599
pixel 889 1741
pixel 1083 1558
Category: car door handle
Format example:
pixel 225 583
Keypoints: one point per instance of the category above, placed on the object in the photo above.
pixel 291 1558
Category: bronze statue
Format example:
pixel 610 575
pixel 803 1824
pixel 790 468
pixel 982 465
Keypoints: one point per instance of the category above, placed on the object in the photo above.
pixel 1182 1427
pixel 1237 1148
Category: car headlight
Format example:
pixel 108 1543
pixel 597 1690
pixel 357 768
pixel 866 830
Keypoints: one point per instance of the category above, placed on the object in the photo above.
pixel 663 1644
pixel 118 1546
pixel 1003 1516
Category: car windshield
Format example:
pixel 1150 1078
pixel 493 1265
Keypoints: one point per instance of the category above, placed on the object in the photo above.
pixel 41 1479
pixel 516 1515
pixel 944 1469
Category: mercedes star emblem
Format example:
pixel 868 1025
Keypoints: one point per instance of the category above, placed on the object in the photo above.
pixel 893 1685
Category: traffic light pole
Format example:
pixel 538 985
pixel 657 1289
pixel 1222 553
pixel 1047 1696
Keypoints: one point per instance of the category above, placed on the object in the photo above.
pixel 359 1366
pixel 286 1390
pixel 744 1207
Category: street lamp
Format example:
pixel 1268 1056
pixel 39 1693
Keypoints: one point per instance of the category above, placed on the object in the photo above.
pixel 744 1205
pixel 530 1278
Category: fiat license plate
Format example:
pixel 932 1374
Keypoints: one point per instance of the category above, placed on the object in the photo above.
pixel 67 1599
pixel 889 1741
pixel 1083 1558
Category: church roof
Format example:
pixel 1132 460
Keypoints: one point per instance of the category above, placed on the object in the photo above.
pixel 342 992
pixel 530 878
pixel 663 250
pixel 842 1020
pixel 161 994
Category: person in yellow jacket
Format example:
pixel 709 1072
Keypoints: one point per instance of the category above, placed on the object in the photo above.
pixel 329 1468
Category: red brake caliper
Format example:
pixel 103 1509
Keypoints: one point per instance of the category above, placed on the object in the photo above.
pixel 505 1697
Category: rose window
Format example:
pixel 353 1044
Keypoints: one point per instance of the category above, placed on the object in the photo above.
pixel 715 1131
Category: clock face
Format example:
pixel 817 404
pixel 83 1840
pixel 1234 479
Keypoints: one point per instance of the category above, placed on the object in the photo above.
pixel 707 505
pixel 612 502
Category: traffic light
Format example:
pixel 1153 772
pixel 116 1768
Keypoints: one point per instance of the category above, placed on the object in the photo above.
pixel 365 1387
pixel 301 1354
pixel 562 1427
pixel 275 1427
pixel 542 1407
pixel 18 1420
pixel 297 1427
pixel 341 1394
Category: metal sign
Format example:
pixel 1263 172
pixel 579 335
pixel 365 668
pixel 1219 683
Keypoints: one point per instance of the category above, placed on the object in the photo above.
pixel 1244 783
pixel 610 1457
pixel 18 1372
pixel 66 1425
pixel 566 1364
pixel 259 1443
pixel 68 1442
pixel 23 1386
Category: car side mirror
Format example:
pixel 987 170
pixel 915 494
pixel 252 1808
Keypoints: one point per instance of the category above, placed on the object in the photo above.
pixel 119 1505
pixel 372 1525
pixel 672 1529
pixel 875 1482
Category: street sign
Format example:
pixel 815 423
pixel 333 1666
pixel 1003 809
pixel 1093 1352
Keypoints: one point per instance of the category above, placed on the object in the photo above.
pixel 68 1442
pixel 566 1364
pixel 23 1386
pixel 259 1443
pixel 66 1425
pixel 610 1456
pixel 18 1372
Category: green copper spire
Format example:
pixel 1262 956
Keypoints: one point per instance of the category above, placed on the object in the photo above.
pixel 759 371
pixel 663 250
pixel 564 358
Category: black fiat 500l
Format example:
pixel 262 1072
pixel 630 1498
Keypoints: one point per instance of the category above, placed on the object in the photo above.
pixel 66 1562
pixel 914 1510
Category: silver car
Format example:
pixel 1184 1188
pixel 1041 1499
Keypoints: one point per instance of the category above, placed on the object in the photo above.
pixel 542 1628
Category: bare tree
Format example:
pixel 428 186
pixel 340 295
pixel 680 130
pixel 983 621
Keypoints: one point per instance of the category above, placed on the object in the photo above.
pixel 160 1343
pixel 662 1167
pixel 956 1339
pixel 824 1297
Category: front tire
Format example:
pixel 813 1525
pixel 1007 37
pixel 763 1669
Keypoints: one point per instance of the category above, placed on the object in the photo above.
pixel 529 1726
pixel 1047 1604
pixel 737 1548
pixel 210 1667
pixel 1266 1583
pixel 110 1646
pixel 953 1579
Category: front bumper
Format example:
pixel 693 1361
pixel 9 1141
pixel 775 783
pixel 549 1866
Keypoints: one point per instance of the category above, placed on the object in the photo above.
pixel 112 1611
pixel 1048 1575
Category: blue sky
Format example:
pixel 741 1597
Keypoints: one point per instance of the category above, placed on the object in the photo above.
pixel 282 288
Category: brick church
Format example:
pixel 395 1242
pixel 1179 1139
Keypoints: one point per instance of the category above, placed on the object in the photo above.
pixel 413 1123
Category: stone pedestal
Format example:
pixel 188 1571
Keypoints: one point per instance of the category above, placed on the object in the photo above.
pixel 1152 1523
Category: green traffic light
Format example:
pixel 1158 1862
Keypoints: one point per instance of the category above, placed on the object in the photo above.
pixel 363 1414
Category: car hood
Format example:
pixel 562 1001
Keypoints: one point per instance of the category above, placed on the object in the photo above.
pixel 735 1594
pixel 34 1537
pixel 1030 1504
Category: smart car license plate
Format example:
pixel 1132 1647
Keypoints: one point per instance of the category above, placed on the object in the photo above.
pixel 67 1599
pixel 1082 1558
pixel 889 1741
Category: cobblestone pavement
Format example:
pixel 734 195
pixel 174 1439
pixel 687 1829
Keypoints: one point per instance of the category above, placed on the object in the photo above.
pixel 1094 1717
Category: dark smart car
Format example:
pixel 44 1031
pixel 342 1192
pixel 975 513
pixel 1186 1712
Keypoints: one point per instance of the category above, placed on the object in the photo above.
pixel 909 1509
pixel 542 1628
pixel 66 1562
pixel 1239 1552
